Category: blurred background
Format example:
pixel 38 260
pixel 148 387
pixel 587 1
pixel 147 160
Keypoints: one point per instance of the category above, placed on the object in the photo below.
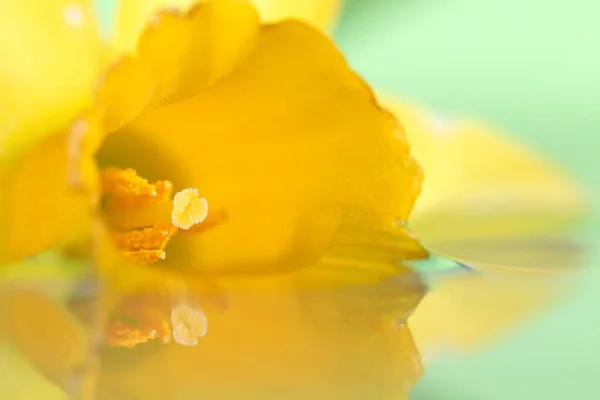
pixel 531 68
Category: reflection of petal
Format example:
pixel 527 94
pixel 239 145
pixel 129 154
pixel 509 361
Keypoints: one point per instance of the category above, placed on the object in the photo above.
pixel 280 335
pixel 20 380
pixel 46 334
pixel 463 314
pixel 312 332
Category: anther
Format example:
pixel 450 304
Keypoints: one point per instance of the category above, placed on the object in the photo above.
pixel 189 209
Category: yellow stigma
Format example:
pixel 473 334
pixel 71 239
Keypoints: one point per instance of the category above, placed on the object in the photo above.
pixel 189 209
pixel 188 324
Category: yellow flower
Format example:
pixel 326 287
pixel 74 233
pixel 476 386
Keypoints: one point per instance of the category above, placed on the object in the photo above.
pixel 262 130
pixel 263 152
pixel 219 147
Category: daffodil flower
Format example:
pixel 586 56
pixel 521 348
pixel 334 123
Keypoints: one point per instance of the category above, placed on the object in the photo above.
pixel 219 146
pixel 216 133
pixel 216 148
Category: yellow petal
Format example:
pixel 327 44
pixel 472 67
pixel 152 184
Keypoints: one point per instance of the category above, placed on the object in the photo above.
pixel 38 209
pixel 179 54
pixel 291 146
pixel 320 13
pixel 479 183
pixel 51 56
pixel 132 15
pixel 498 206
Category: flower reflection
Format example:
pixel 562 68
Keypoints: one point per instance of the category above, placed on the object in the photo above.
pixel 175 336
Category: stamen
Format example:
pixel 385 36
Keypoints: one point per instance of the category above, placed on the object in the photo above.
pixel 145 246
pixel 188 324
pixel 152 238
pixel 131 203
pixel 125 188
pixel 189 209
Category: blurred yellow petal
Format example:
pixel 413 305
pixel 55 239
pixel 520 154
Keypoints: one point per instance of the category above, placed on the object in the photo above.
pixel 501 208
pixel 38 208
pixel 133 15
pixel 51 57
pixel 480 184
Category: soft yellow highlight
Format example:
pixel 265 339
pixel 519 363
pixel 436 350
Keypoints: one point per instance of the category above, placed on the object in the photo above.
pixel 49 68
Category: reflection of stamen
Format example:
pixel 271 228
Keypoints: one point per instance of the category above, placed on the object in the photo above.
pixel 189 209
pixel 188 324
pixel 146 324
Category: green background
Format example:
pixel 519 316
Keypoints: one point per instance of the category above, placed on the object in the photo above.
pixel 531 67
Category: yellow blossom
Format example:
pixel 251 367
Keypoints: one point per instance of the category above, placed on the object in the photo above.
pixel 220 147
pixel 249 118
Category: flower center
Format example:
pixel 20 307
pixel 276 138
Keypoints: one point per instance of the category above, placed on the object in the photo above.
pixel 144 216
